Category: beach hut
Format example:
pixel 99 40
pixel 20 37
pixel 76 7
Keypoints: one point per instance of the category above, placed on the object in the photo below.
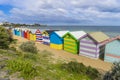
pixel 22 32
pixel 71 41
pixel 56 40
pixel 91 45
pixel 18 33
pixel 38 35
pixel 46 36
pixel 15 31
pixel 25 33
pixel 28 34
pixel 32 35
pixel 112 50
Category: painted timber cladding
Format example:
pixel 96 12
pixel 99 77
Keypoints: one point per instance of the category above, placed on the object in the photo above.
pixel 70 44
pixel 46 36
pixel 93 45
pixel 71 41
pixel 88 47
pixel 38 35
pixel 56 40
pixel 112 51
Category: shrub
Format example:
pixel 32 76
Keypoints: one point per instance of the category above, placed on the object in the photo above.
pixel 4 38
pixel 29 47
pixel 26 68
pixel 80 68
pixel 114 74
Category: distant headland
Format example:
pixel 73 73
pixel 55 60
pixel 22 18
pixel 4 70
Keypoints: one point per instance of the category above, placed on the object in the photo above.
pixel 8 24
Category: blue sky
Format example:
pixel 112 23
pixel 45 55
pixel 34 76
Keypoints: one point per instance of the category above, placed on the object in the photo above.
pixel 81 12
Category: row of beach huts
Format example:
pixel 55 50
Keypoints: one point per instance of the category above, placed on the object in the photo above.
pixel 94 45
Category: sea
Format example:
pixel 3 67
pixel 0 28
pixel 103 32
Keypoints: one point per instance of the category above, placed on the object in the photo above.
pixel 109 30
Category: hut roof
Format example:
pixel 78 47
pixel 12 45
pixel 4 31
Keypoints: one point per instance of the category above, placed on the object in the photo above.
pixel 78 34
pixel 33 31
pixel 112 39
pixel 61 33
pixel 49 31
pixel 99 36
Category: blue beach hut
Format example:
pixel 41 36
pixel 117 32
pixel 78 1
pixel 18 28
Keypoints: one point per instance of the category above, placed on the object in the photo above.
pixel 46 36
pixel 56 40
pixel 112 50
pixel 15 30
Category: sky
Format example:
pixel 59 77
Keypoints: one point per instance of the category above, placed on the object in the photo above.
pixel 70 12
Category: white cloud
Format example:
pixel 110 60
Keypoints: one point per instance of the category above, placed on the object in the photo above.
pixel 62 10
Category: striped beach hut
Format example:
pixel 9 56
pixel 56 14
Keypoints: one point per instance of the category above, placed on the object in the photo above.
pixel 32 35
pixel 91 45
pixel 38 35
pixel 71 41
pixel 112 50
pixel 56 40
pixel 46 36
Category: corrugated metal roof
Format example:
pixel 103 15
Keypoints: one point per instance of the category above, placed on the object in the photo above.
pixel 99 36
pixel 61 33
pixel 78 34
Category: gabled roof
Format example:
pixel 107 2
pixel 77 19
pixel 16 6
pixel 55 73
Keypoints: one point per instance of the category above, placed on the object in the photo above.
pixel 78 34
pixel 61 33
pixel 33 31
pixel 37 31
pixel 99 36
pixel 112 39
pixel 49 31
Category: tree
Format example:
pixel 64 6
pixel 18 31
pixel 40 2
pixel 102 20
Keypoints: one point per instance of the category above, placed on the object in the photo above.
pixel 4 38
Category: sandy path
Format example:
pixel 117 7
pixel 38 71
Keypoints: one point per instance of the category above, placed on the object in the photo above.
pixel 99 64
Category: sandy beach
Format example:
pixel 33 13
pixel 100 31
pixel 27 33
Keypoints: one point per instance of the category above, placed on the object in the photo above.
pixel 63 55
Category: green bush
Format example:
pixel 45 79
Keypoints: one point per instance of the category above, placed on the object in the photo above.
pixel 4 38
pixel 29 47
pixel 26 68
pixel 114 74
pixel 79 68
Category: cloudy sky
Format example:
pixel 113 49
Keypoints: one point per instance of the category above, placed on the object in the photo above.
pixel 83 12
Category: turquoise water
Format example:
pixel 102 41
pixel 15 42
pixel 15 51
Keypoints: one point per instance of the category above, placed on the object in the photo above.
pixel 109 30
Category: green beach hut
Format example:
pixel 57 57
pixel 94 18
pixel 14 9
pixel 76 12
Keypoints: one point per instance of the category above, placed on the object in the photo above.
pixel 71 41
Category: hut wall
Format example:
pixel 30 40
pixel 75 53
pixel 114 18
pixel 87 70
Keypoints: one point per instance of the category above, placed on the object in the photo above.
pixel 34 37
pixel 56 42
pixel 38 36
pixel 55 39
pixel 112 51
pixel 89 48
pixel 31 37
pixel 70 44
pixel 56 46
pixel 46 39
